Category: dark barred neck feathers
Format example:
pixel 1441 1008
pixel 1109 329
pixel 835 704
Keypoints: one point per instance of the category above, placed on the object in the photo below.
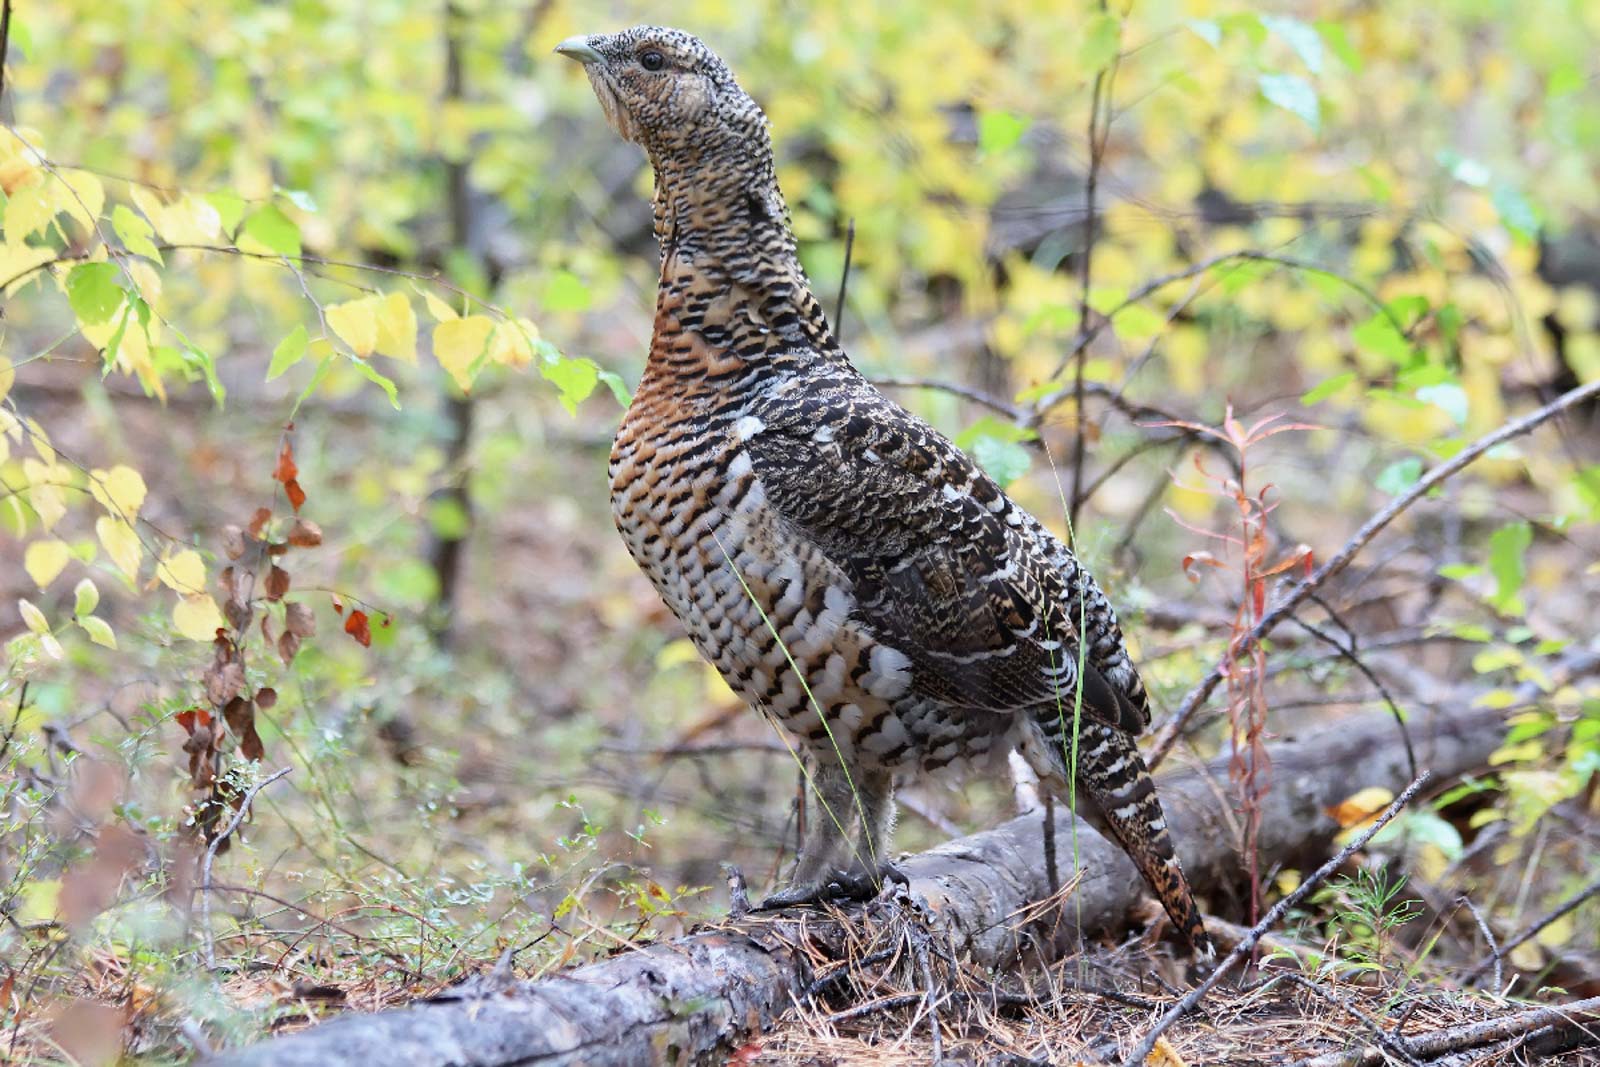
pixel 729 272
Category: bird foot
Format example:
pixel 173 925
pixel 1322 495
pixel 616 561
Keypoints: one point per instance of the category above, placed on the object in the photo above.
pixel 853 885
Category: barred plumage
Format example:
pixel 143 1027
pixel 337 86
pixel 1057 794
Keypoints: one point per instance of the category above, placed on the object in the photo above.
pixel 847 568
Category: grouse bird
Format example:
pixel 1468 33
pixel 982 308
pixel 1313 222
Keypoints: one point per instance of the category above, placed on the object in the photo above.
pixel 848 569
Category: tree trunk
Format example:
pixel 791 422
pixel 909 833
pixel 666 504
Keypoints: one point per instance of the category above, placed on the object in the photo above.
pixel 696 998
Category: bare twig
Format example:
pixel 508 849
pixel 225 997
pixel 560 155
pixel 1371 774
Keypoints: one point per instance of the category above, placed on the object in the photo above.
pixel 211 855
pixel 1532 931
pixel 1579 1013
pixel 1098 131
pixel 844 281
pixel 1349 653
pixel 1395 1044
pixel 1247 944
pixel 1488 939
pixel 1169 733
pixel 5 43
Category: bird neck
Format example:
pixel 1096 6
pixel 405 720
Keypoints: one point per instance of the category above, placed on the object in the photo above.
pixel 729 268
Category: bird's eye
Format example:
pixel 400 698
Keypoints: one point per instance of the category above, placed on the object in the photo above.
pixel 652 60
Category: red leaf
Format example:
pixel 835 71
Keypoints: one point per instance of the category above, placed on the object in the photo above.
pixel 297 495
pixel 192 718
pixel 286 471
pixel 356 626
pixel 259 520
pixel 266 697
pixel 277 583
pixel 1258 596
pixel 298 618
pixel 338 606
pixel 305 534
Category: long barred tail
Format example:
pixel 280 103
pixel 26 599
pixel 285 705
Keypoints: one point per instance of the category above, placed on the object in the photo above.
pixel 1113 778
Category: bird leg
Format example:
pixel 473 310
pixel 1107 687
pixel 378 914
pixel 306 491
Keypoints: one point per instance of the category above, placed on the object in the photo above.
pixel 817 874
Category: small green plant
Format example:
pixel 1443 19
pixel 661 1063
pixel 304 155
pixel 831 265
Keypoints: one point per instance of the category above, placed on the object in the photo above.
pixel 1367 912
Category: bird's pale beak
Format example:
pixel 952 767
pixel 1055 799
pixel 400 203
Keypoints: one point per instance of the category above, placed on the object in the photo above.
pixel 578 48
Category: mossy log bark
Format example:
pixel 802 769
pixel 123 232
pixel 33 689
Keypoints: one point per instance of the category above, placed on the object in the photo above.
pixel 696 998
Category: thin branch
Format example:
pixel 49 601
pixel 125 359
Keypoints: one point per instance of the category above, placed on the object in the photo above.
pixel 1246 946
pixel 1098 132
pixel 211 855
pixel 1348 653
pixel 1455 1038
pixel 1488 939
pixel 844 281
pixel 1571 903
pixel 5 43
pixel 1169 733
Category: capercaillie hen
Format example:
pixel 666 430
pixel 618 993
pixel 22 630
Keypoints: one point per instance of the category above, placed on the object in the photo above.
pixel 849 571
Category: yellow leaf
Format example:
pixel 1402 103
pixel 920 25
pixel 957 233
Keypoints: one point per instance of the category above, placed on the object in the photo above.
pixel 441 311
pixel 197 617
pixel 1361 806
pixel 17 261
pixel 191 221
pixel 30 210
pixel 1527 956
pixel 99 630
pixel 32 617
pixel 45 560
pixel 458 343
pixel 121 544
pixel 120 490
pixel 513 343
pixel 85 197
pixel 1557 933
pixel 397 328
pixel 1164 1055
pixel 356 323
pixel 183 571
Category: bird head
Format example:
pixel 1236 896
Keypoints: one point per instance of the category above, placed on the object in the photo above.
pixel 665 90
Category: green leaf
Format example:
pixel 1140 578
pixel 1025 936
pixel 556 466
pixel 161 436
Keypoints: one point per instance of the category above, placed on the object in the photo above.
pixel 575 378
pixel 135 233
pixel 85 597
pixel 1294 94
pixel 1400 475
pixel 565 291
pixel 290 350
pixel 1005 461
pixel 313 385
pixel 1337 39
pixel 229 208
pixel 1379 336
pixel 1101 42
pixel 93 292
pixel 618 387
pixel 1000 130
pixel 997 428
pixel 1327 388
pixel 370 373
pixel 1507 547
pixel 270 230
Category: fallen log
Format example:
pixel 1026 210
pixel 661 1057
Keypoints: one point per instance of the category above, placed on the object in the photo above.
pixel 695 998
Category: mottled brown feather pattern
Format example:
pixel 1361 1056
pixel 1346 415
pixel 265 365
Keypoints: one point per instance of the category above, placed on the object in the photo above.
pixel 849 571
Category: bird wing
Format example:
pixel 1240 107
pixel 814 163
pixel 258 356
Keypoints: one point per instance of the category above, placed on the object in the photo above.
pixel 981 597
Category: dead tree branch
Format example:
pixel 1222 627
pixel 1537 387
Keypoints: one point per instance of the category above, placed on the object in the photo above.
pixel 692 999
